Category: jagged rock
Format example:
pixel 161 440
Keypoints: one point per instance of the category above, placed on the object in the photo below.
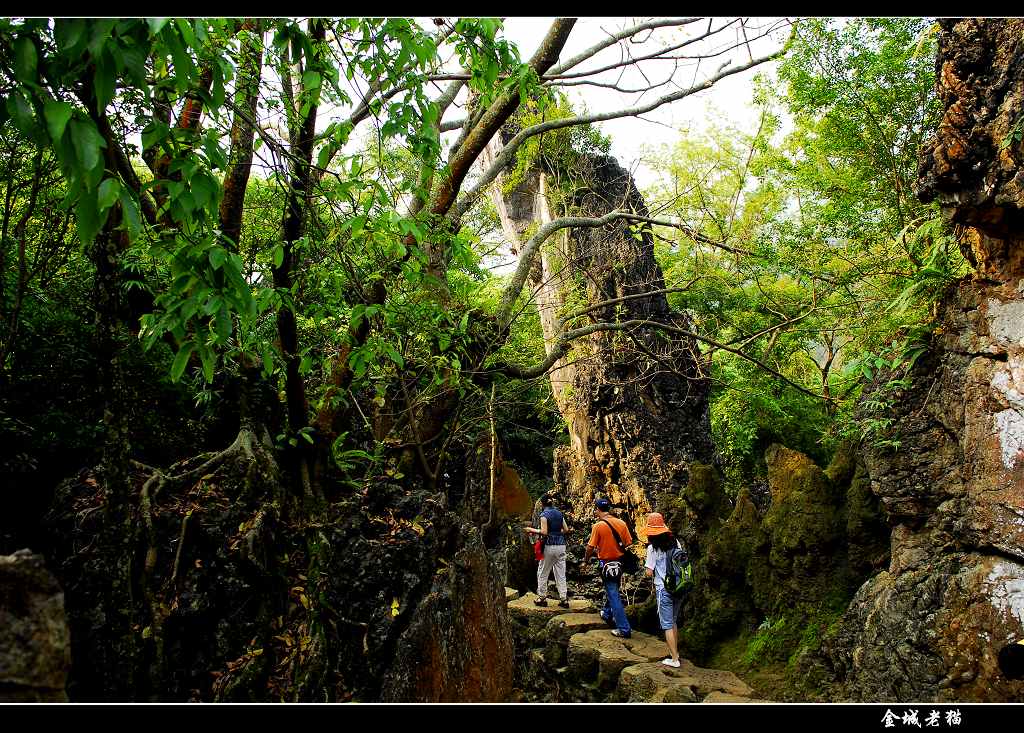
pixel 458 647
pixel 724 576
pixel 599 657
pixel 929 627
pixel 803 525
pixel 972 165
pixel 724 697
pixel 511 594
pixel 655 682
pixel 35 645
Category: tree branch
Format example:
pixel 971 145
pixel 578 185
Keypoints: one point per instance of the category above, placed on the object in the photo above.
pixel 505 156
pixel 561 347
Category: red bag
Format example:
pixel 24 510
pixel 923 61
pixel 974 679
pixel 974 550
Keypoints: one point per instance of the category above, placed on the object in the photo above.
pixel 538 550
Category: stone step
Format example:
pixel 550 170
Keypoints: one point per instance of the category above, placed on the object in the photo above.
pixel 655 682
pixel 560 629
pixel 725 697
pixel 535 618
pixel 597 656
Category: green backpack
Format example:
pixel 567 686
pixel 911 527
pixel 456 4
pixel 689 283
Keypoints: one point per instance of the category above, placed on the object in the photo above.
pixel 679 574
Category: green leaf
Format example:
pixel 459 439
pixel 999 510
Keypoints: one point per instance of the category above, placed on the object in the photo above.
pixel 87 218
pixel 21 112
pixel 154 133
pixel 223 324
pixel 311 81
pixel 57 115
pixel 207 356
pixel 324 156
pixel 87 143
pixel 25 59
pixel 105 81
pixel 130 209
pixel 278 255
pixel 69 33
pixel 202 190
pixel 268 361
pixel 108 193
pixel 181 360
pixel 217 257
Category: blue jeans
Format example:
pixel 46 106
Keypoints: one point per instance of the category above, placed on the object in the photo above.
pixel 613 608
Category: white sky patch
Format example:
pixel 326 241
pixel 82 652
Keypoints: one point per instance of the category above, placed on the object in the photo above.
pixel 730 99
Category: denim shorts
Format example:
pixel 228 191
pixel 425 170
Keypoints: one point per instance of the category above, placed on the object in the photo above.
pixel 668 609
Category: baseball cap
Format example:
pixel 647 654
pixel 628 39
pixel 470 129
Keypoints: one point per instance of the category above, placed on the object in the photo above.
pixel 603 504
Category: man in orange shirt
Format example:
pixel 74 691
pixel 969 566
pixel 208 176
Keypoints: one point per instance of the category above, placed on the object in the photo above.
pixel 603 541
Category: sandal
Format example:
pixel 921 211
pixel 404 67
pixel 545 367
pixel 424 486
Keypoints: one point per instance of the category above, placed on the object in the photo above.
pixel 620 634
pixel 564 603
pixel 540 602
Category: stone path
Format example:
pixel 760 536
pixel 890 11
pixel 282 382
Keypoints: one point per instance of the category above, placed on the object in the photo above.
pixel 574 651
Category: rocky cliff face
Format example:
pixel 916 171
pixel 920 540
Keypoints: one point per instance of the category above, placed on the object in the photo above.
pixel 929 627
pixel 35 646
pixel 636 404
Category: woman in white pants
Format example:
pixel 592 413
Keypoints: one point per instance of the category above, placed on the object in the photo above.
pixel 552 528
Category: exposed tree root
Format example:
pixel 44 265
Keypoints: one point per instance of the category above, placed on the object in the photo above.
pixel 248 450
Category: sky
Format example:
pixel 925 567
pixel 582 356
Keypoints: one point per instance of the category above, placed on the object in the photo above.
pixel 730 97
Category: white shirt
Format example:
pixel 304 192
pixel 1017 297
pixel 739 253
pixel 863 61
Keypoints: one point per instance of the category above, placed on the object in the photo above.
pixel 658 561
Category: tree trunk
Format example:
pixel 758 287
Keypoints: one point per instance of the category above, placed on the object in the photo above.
pixel 247 94
pixel 292 227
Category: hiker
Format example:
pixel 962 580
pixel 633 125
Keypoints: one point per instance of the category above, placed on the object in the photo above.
pixel 552 528
pixel 660 548
pixel 610 538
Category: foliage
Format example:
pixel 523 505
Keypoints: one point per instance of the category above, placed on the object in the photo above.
pixel 838 264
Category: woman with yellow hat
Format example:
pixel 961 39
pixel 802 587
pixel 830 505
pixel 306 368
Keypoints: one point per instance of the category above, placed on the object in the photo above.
pixel 661 543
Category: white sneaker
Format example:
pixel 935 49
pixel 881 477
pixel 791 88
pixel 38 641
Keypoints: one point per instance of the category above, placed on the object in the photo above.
pixel 670 663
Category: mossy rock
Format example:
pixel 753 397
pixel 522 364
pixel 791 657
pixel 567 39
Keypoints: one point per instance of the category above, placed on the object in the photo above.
pixel 804 523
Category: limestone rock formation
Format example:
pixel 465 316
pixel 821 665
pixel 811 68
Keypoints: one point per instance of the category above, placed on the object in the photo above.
pixel 797 564
pixel 636 404
pixel 930 626
pixel 35 645
pixel 724 697
pixel 458 647
pixel 973 164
